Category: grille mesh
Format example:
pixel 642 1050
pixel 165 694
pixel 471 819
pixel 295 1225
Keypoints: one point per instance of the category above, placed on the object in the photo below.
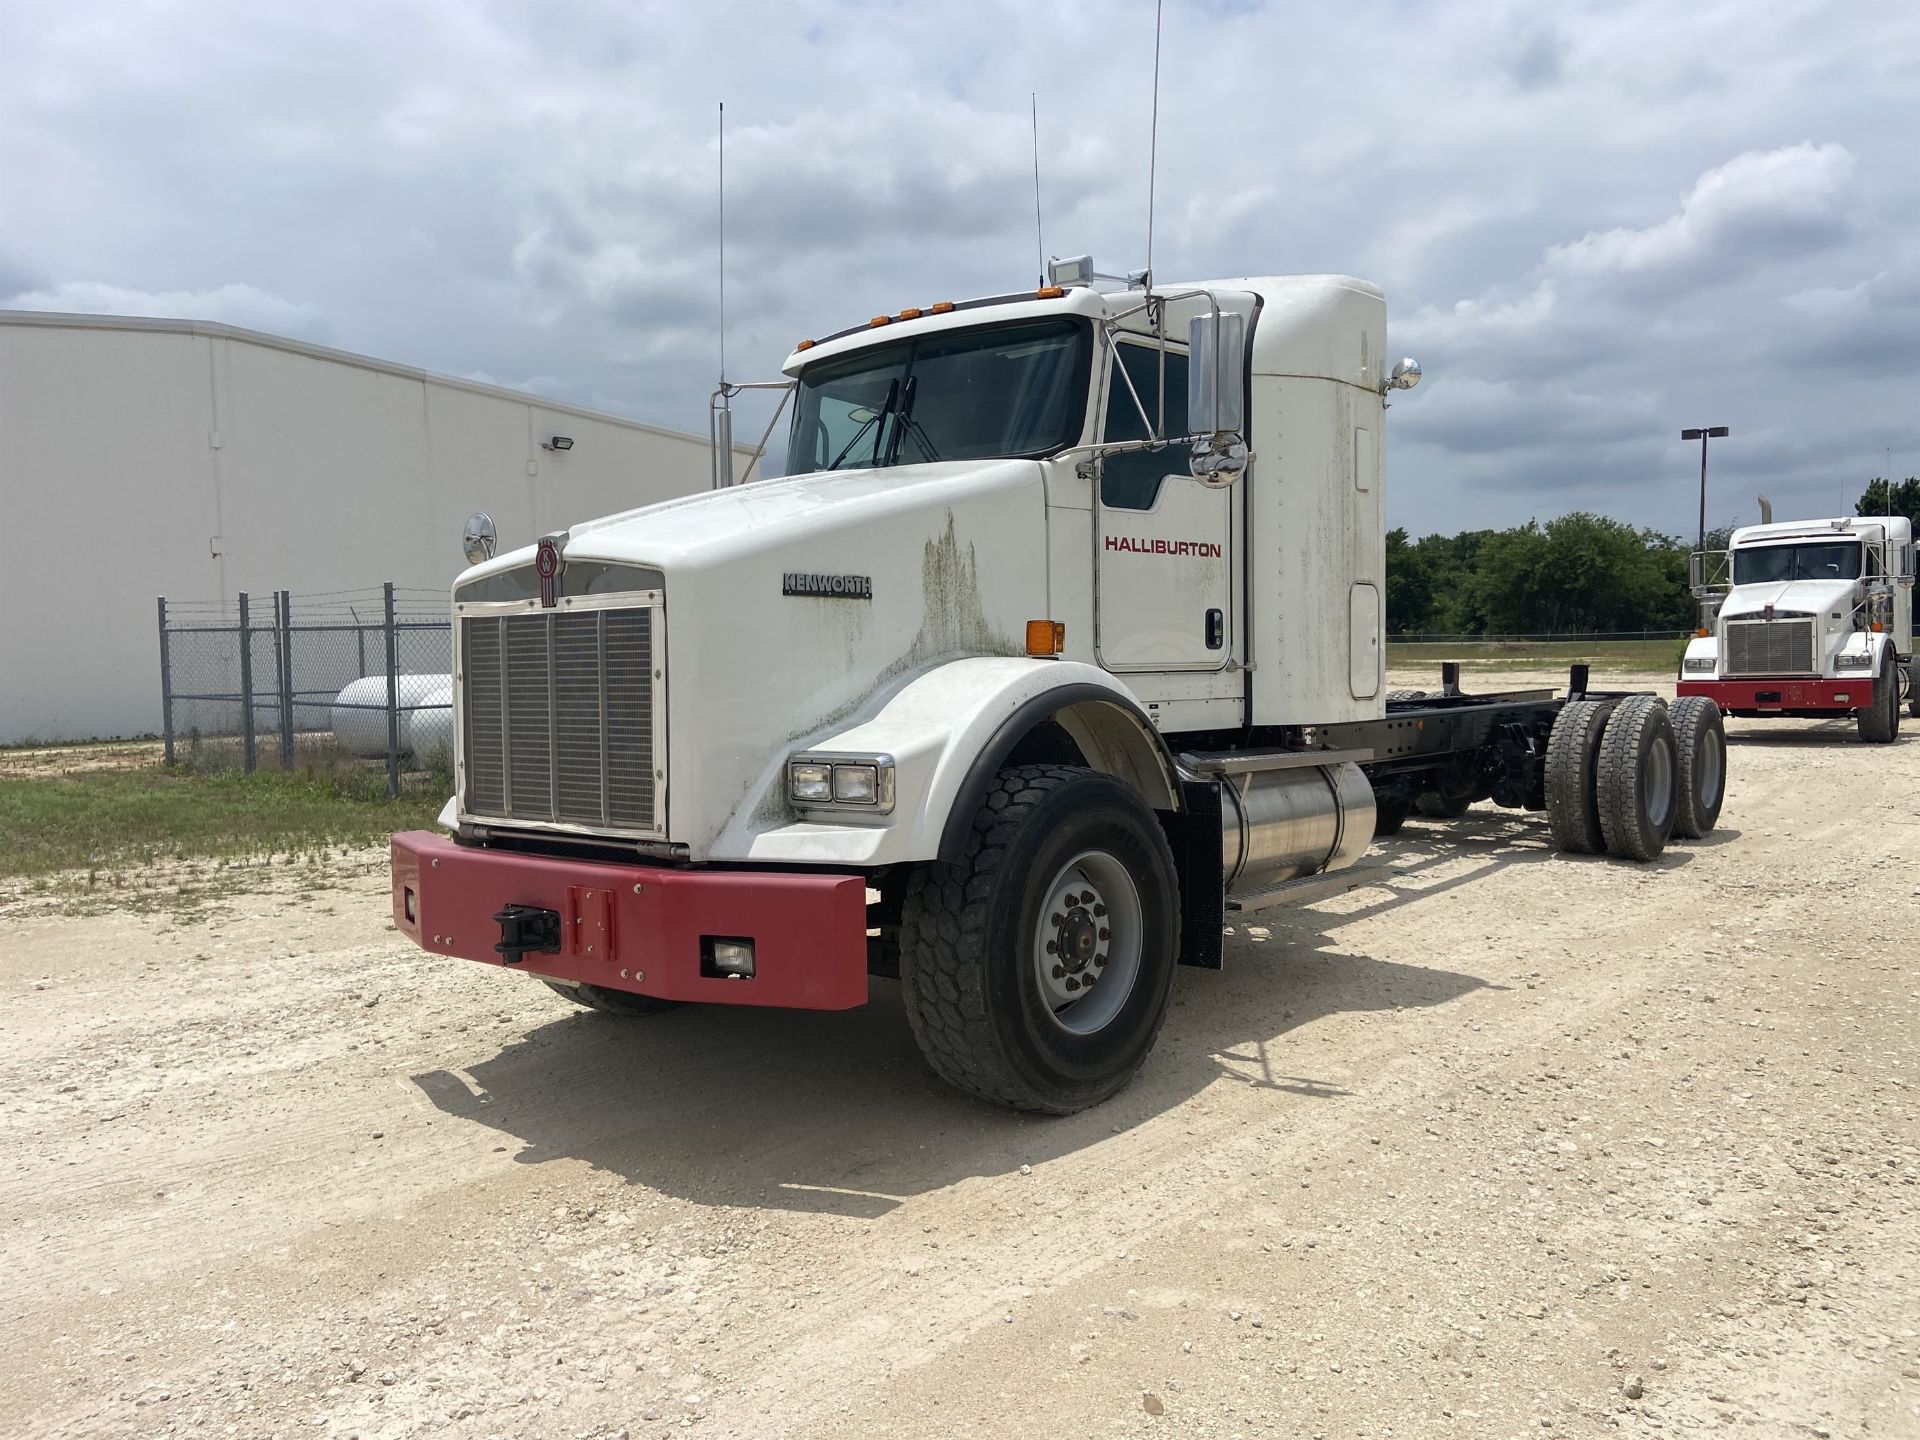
pixel 1769 647
pixel 558 710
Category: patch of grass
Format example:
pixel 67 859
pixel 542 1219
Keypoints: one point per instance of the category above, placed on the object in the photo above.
pixel 103 821
pixel 1617 655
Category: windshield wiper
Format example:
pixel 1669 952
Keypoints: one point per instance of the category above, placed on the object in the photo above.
pixel 878 417
pixel 903 423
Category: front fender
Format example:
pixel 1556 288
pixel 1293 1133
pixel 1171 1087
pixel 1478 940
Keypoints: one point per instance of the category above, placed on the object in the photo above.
pixel 939 728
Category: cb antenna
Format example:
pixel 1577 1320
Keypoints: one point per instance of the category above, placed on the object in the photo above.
pixel 1153 138
pixel 1039 237
pixel 720 403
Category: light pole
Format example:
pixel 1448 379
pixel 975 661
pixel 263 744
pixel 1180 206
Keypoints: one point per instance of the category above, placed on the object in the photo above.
pixel 1704 434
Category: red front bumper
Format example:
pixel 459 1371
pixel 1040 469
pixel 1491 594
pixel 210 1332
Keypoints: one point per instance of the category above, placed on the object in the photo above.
pixel 643 928
pixel 1783 695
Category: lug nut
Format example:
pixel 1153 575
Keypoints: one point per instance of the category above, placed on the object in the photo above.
pixel 1099 909
pixel 1058 971
pixel 1052 949
pixel 1072 984
pixel 1100 962
pixel 1105 934
pixel 1086 897
pixel 1058 921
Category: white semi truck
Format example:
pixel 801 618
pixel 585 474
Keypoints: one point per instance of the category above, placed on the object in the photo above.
pixel 1809 618
pixel 1061 641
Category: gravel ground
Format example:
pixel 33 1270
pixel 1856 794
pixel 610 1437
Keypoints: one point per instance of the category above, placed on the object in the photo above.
pixel 1516 1144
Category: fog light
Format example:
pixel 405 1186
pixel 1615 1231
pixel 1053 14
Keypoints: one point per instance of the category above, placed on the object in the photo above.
pixel 413 916
pixel 856 784
pixel 727 959
pixel 810 780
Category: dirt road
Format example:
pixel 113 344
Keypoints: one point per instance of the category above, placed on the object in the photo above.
pixel 1521 1144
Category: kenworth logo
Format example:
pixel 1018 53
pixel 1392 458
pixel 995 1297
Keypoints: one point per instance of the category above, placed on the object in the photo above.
pixel 1206 549
pixel 839 587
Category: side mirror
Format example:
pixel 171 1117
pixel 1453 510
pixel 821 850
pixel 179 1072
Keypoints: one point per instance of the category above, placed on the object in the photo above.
pixel 1217 373
pixel 1696 570
pixel 1406 374
pixel 480 537
pixel 1217 396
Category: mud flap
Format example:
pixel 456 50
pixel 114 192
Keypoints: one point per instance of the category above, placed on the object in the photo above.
pixel 1194 835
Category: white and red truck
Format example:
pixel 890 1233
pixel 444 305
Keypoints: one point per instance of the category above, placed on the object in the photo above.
pixel 1060 642
pixel 1809 618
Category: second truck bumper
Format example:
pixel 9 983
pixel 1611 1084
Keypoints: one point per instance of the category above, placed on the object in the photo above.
pixel 1782 696
pixel 648 930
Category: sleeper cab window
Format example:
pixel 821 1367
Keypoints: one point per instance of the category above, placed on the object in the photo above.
pixel 1131 480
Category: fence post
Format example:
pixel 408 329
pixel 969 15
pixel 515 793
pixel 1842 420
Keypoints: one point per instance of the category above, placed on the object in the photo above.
pixel 246 688
pixel 166 684
pixel 283 602
pixel 393 700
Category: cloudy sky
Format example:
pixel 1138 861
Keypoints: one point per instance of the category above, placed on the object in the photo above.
pixel 1596 222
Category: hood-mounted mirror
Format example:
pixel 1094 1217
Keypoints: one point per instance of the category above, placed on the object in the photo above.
pixel 480 537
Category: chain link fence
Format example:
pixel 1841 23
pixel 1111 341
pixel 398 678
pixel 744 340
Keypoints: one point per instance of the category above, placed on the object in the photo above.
pixel 279 680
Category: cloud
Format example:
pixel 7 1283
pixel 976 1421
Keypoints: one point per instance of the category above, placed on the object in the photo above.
pixel 1593 226
pixel 1759 207
pixel 237 304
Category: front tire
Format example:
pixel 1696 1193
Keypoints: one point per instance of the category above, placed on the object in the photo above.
pixel 1880 718
pixel 611 1002
pixel 1036 970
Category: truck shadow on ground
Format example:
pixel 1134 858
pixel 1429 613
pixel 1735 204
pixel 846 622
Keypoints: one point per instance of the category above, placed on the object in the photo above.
pixel 1761 734
pixel 837 1113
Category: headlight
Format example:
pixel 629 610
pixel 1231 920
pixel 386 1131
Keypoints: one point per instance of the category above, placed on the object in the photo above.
pixel 856 784
pixel 852 782
pixel 1847 660
pixel 811 781
pixel 1696 664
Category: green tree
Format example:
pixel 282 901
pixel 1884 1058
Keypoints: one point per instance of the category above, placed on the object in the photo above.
pixel 1905 498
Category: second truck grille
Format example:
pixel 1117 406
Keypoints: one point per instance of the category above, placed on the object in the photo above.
pixel 558 717
pixel 1769 647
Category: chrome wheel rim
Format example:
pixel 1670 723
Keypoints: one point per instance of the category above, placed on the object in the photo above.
pixel 1658 774
pixel 1087 942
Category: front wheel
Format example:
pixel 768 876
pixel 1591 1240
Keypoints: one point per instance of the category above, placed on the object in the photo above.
pixel 1880 717
pixel 1036 970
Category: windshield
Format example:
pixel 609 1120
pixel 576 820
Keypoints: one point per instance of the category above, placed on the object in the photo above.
pixel 1823 560
pixel 1004 390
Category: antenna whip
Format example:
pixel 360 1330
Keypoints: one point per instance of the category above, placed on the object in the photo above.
pixel 1153 141
pixel 1039 238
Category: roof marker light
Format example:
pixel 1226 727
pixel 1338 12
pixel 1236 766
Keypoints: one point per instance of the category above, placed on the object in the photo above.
pixel 1048 292
pixel 804 345
pixel 910 313
pixel 940 307
pixel 877 321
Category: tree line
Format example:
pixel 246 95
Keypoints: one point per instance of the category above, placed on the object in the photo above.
pixel 1579 574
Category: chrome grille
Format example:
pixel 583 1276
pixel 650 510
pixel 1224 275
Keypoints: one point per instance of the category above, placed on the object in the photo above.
pixel 558 715
pixel 1769 647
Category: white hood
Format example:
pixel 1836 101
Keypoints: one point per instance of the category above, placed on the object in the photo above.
pixel 1791 597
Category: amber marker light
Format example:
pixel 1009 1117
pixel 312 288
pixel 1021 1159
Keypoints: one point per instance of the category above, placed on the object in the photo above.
pixel 1046 637
pixel 804 345
pixel 878 321
pixel 940 307
pixel 910 313
pixel 1049 292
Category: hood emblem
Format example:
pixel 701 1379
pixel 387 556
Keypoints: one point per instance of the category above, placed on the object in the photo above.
pixel 549 564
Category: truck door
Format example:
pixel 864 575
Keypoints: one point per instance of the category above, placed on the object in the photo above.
pixel 1163 569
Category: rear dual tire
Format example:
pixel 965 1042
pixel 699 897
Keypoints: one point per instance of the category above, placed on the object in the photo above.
pixel 1700 738
pixel 1614 776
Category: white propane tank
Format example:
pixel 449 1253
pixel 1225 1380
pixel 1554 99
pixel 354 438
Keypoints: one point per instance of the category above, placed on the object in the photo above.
pixel 427 732
pixel 360 710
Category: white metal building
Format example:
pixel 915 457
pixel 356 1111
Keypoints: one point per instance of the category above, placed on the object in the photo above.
pixel 142 458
